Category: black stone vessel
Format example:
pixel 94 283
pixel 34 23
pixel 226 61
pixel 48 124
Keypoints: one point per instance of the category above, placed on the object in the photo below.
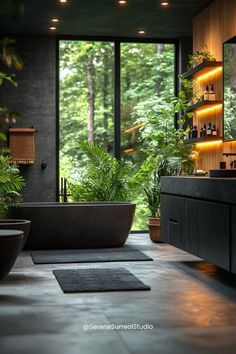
pixel 76 225
pixel 10 246
pixel 15 224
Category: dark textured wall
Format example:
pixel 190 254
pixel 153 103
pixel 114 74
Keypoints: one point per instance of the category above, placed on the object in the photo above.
pixel 35 99
pixel 185 48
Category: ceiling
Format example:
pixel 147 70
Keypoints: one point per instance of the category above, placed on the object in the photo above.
pixel 106 18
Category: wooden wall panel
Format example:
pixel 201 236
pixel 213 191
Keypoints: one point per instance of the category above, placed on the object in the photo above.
pixel 213 26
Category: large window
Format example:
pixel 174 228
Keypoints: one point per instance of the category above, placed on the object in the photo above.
pixel 87 99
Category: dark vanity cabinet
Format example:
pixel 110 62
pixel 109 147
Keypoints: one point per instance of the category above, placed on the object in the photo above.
pixel 214 233
pixel 201 227
pixel 233 239
pixel 172 225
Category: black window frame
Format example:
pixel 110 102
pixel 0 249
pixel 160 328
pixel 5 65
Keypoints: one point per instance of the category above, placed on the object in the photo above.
pixel 117 104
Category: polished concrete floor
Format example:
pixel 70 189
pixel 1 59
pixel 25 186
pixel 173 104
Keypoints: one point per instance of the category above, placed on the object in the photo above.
pixel 190 309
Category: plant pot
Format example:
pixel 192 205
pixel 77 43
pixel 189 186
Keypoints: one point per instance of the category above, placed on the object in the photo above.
pixel 10 246
pixel 154 229
pixel 16 224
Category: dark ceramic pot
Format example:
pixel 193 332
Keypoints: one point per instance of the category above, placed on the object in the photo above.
pixel 10 246
pixel 16 224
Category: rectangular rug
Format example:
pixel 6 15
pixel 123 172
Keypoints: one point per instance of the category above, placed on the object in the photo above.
pixel 97 280
pixel 89 256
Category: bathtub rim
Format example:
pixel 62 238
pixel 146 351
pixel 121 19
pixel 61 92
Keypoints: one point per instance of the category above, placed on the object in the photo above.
pixel 71 204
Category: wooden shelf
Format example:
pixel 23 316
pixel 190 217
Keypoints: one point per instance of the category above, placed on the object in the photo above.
pixel 134 128
pixel 204 139
pixel 200 106
pixel 201 69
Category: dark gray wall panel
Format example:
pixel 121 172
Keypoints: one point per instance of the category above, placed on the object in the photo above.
pixel 35 99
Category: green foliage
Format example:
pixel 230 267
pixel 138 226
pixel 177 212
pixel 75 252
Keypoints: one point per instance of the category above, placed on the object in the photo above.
pixel 147 72
pixel 149 176
pixel 229 114
pixel 199 56
pixel 105 178
pixel 229 94
pixel 8 55
pixel 163 144
pixel 9 58
pixel 159 135
pixel 11 183
pixel 74 59
pixel 5 77
pixel 192 90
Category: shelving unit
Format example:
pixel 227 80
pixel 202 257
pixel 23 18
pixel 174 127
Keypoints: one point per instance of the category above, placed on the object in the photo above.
pixel 207 73
pixel 206 67
pixel 200 106
pixel 205 139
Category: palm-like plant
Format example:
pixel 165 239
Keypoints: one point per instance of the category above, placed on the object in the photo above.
pixel 11 183
pixel 105 178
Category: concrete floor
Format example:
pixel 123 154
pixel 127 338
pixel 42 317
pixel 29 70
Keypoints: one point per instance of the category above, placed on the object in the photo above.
pixel 191 306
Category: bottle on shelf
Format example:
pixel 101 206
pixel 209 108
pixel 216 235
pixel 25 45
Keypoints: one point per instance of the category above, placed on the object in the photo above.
pixel 195 132
pixel 201 132
pixel 209 130
pixel 190 133
pixel 204 130
pixel 206 94
pixel 214 130
pixel 212 94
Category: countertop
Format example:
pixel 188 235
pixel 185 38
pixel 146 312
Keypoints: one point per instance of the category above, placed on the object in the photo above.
pixel 215 189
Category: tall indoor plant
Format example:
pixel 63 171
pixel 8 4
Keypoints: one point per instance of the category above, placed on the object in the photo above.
pixel 149 176
pixel 165 148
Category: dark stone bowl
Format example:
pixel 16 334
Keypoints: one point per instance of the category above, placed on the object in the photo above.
pixel 10 246
pixel 16 224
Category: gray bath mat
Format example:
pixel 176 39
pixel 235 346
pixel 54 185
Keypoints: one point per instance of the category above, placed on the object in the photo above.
pixel 89 256
pixel 97 279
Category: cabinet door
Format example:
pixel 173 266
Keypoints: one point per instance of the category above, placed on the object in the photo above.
pixel 233 239
pixel 165 210
pixel 192 226
pixel 214 233
pixel 172 220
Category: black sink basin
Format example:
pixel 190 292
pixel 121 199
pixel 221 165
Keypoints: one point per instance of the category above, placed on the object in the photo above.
pixel 223 173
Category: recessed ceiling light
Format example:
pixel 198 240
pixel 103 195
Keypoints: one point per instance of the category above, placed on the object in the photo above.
pixel 141 32
pixel 55 20
pixel 122 2
pixel 63 1
pixel 53 28
pixel 164 3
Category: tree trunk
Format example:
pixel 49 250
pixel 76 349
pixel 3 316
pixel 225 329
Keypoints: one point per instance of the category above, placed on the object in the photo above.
pixel 160 49
pixel 105 100
pixel 90 99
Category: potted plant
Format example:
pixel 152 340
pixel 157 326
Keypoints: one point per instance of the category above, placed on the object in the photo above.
pixel 200 56
pixel 152 192
pixel 165 149
pixel 149 176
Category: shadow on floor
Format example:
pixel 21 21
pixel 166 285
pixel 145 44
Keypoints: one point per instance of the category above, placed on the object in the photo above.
pixel 16 300
pixel 211 275
pixel 21 278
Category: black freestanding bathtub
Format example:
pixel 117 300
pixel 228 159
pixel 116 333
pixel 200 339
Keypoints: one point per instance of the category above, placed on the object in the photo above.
pixel 76 225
